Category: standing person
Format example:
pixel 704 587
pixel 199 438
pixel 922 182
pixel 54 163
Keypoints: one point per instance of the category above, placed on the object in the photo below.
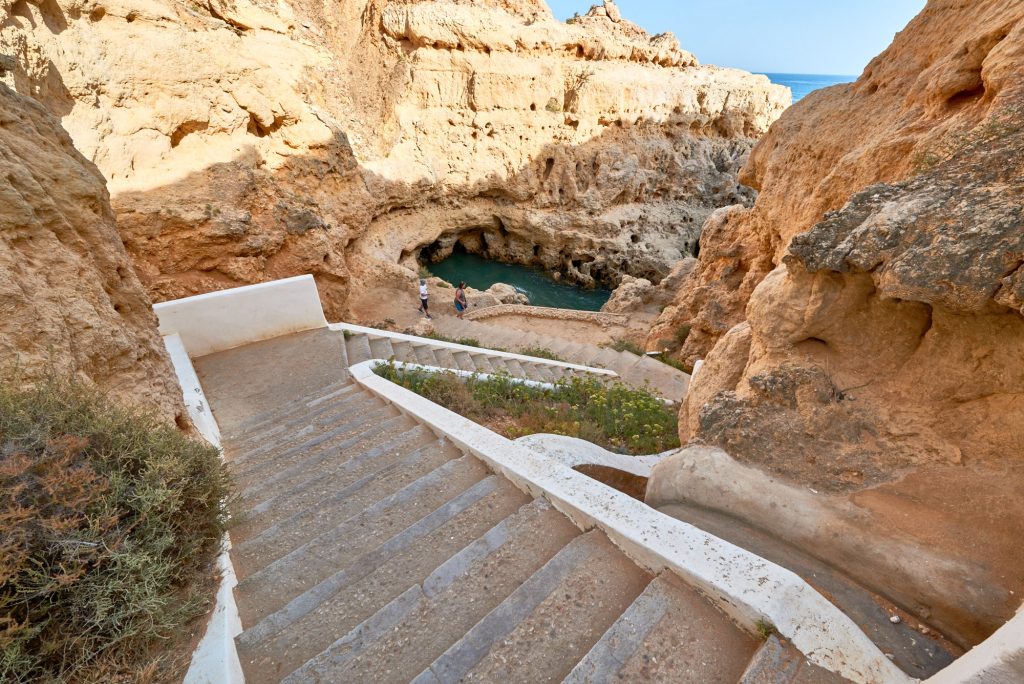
pixel 424 296
pixel 460 299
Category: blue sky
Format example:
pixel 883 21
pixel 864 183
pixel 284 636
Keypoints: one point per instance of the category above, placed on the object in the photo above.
pixel 785 36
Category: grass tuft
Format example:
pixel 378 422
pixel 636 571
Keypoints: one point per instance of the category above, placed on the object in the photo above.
pixel 109 521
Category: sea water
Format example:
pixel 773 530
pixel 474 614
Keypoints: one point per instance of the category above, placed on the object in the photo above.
pixel 803 85
pixel 480 273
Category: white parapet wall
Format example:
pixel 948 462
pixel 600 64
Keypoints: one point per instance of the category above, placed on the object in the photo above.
pixel 997 660
pixel 216 321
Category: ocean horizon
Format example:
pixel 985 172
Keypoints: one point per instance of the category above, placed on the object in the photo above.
pixel 803 85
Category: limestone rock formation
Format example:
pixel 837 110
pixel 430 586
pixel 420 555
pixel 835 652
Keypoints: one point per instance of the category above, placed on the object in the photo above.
pixel 256 139
pixel 69 299
pixel 880 355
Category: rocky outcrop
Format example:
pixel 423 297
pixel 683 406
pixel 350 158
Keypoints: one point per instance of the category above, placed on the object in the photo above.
pixel 887 335
pixel 255 139
pixel 70 302
pixel 879 358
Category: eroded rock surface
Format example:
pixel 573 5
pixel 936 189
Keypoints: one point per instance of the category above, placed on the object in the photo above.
pixel 868 335
pixel 69 299
pixel 255 139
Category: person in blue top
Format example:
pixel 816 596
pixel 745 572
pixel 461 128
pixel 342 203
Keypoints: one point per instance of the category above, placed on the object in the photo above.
pixel 460 300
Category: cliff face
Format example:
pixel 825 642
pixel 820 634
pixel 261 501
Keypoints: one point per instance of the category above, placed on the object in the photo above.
pixel 69 299
pixel 889 332
pixel 250 140
pixel 880 355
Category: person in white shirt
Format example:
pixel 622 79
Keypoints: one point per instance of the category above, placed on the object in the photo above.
pixel 424 296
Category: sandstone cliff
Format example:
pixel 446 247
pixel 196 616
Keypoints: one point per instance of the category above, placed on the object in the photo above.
pixel 253 139
pixel 879 353
pixel 69 299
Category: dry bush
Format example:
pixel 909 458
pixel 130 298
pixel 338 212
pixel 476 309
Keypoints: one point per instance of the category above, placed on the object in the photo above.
pixel 107 520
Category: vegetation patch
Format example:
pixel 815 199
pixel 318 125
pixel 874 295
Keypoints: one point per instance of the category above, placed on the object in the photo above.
pixel 464 341
pixel 540 353
pixel 109 523
pixel 616 417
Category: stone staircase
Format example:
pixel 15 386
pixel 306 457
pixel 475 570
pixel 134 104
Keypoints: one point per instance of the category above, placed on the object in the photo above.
pixel 638 371
pixel 363 347
pixel 369 549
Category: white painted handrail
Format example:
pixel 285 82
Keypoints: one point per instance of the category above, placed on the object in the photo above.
pixel 748 588
pixel 401 337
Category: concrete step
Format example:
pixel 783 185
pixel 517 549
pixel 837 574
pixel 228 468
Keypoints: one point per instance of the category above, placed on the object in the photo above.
pixel 311 439
pixel 515 368
pixel 778 663
pixel 445 358
pixel 274 587
pixel 403 351
pixel 447 604
pixel 391 573
pixel 302 429
pixel 549 622
pixel 296 421
pixel 301 467
pixel 625 361
pixel 358 348
pixel 605 358
pixel 669 634
pixel 541 372
pixel 424 355
pixel 581 354
pixel 465 361
pixel 482 363
pixel 269 419
pixel 381 348
pixel 296 518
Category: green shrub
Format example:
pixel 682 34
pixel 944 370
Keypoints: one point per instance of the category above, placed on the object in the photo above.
pixel 681 333
pixel 109 520
pixel 465 341
pixel 616 417
pixel 540 353
pixel 627 346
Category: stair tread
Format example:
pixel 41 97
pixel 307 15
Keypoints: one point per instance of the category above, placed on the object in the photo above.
pixel 296 518
pixel 542 629
pixel 323 421
pixel 270 419
pixel 275 586
pixel 381 348
pixel 278 470
pixel 383 581
pixel 358 348
pixel 457 597
pixel 778 663
pixel 669 634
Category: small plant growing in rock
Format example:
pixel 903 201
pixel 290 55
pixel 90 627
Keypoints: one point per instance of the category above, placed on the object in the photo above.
pixel 765 629
pixel 553 105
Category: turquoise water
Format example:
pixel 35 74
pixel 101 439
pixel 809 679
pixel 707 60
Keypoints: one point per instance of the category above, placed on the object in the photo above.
pixel 480 273
pixel 803 85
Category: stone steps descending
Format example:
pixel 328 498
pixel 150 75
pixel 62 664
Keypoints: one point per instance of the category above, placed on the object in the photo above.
pixel 375 551
pixel 637 371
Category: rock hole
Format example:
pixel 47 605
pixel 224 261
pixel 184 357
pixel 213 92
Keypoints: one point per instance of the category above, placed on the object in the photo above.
pixel 97 14
pixel 634 238
pixel 965 97
pixel 186 128
pixel 183 423
pixel 549 166
pixel 131 16
pixel 533 107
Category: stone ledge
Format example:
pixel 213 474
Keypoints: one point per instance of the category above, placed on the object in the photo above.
pixel 599 317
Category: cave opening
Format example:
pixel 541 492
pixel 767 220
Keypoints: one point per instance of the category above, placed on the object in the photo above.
pixel 469 257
